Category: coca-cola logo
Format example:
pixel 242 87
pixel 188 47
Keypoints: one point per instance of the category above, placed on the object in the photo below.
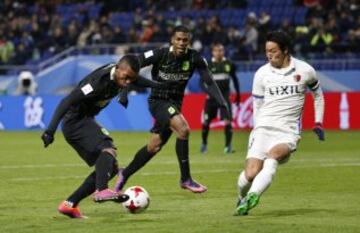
pixel 242 116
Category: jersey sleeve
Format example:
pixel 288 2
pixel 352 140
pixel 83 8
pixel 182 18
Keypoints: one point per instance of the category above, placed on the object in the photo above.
pixel 313 82
pixel 73 98
pixel 150 57
pixel 87 88
pixel 258 89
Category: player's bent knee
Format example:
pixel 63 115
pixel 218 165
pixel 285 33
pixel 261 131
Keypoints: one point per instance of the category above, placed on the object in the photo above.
pixel 153 149
pixel 184 132
pixel 110 151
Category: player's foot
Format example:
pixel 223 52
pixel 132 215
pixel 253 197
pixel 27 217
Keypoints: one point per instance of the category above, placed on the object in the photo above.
pixel 192 186
pixel 203 148
pixel 228 150
pixel 242 207
pixel 67 209
pixel 247 203
pixel 120 182
pixel 110 195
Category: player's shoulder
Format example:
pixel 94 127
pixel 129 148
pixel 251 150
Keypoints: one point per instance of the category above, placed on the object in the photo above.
pixel 302 65
pixel 264 69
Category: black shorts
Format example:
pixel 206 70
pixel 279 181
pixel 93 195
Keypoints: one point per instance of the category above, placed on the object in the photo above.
pixel 87 137
pixel 162 111
pixel 211 109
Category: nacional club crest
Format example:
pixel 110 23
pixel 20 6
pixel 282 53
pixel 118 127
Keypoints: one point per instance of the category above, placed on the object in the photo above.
pixel 227 68
pixel 297 77
pixel 185 66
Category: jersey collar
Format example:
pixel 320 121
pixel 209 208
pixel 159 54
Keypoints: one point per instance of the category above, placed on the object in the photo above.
pixel 284 71
pixel 171 49
pixel 112 73
pixel 213 59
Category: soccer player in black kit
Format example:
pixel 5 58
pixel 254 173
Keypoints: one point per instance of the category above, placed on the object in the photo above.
pixel 223 70
pixel 176 63
pixel 86 136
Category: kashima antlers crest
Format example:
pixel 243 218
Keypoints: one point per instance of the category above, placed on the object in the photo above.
pixel 297 77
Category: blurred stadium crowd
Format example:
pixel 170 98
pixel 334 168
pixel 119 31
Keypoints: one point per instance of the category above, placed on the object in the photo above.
pixel 32 31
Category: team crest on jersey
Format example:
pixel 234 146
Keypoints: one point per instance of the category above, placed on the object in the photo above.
pixel 227 68
pixel 185 66
pixel 297 77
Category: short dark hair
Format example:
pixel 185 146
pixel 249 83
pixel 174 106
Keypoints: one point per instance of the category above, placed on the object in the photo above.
pixel 281 38
pixel 181 28
pixel 132 60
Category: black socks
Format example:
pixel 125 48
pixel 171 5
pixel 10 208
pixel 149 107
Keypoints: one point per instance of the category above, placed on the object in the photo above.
pixel 141 158
pixel 182 152
pixel 228 135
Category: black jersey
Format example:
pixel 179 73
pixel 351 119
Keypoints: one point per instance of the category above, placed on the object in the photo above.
pixel 98 88
pixel 89 97
pixel 222 72
pixel 168 67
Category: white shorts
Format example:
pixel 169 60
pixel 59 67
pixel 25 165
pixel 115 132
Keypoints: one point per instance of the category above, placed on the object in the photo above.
pixel 262 139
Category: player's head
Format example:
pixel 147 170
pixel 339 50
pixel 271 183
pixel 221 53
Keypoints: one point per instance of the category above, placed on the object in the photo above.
pixel 277 48
pixel 180 39
pixel 127 70
pixel 217 50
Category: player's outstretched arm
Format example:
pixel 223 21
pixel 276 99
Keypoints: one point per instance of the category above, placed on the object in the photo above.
pixel 144 82
pixel 235 81
pixel 319 111
pixel 48 136
pixel 212 88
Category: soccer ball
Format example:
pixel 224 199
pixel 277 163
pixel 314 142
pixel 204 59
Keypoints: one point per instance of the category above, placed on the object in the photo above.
pixel 139 199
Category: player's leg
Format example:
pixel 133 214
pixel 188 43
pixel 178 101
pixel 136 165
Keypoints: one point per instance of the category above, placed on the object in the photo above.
pixel 263 180
pixel 257 147
pixel 142 157
pixel 179 124
pixel 228 131
pixel 70 207
pixel 208 115
pixel 95 146
pixel 106 168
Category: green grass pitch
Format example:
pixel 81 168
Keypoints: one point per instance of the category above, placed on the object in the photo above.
pixel 318 190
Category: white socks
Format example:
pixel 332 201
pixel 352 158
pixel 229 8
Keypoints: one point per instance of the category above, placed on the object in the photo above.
pixel 243 184
pixel 263 180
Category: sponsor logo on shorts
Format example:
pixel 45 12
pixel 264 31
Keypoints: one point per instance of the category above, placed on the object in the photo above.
pixel 171 110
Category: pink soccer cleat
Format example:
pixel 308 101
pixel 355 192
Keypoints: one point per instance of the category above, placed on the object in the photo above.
pixel 67 209
pixel 110 195
pixel 192 186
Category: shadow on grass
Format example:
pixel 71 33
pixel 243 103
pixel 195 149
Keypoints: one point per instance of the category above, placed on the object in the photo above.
pixel 292 212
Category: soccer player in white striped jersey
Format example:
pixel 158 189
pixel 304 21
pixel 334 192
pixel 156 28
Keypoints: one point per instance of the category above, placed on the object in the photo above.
pixel 279 89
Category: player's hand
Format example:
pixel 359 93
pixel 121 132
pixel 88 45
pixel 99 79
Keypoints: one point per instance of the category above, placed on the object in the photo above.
pixel 237 100
pixel 319 131
pixel 123 100
pixel 47 138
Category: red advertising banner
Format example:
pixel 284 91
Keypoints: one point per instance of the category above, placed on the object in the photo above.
pixel 342 111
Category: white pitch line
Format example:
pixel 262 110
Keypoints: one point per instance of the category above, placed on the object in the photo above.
pixel 294 161
pixel 30 179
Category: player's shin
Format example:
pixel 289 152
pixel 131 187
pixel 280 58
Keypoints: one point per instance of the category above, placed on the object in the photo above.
pixel 142 157
pixel 85 189
pixel 263 180
pixel 182 152
pixel 243 184
pixel 104 168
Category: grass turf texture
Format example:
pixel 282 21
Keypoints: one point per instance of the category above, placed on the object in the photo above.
pixel 317 191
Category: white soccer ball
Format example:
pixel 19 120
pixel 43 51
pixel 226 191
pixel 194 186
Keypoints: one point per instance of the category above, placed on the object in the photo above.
pixel 139 199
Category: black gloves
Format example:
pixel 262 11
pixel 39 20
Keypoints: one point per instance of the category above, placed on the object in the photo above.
pixel 319 131
pixel 47 138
